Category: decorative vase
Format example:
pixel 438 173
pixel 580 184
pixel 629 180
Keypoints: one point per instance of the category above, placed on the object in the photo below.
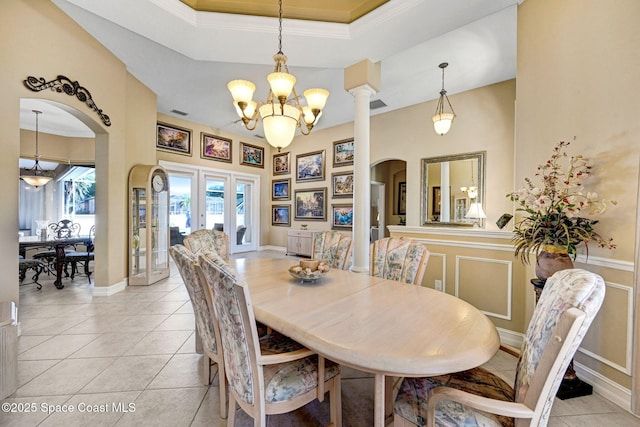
pixel 550 260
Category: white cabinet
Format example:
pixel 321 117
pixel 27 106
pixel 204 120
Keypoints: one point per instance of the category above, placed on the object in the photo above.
pixel 299 242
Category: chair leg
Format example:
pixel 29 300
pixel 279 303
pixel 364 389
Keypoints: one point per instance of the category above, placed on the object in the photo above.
pixel 231 418
pixel 86 270
pixel 222 385
pixel 335 402
pixel 38 269
pixel 206 370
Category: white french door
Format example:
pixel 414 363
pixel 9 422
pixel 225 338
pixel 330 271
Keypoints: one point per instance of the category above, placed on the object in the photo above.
pixel 215 199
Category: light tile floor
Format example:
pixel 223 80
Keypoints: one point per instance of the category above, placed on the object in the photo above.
pixel 129 360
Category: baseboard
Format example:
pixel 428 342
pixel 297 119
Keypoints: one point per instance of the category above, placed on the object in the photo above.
pixel 606 388
pixel 273 248
pixel 510 338
pixel 105 291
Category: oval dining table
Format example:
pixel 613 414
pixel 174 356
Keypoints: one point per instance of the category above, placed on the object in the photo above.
pixel 381 326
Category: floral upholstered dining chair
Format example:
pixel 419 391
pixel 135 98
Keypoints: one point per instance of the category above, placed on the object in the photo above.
pixel 207 327
pixel 267 374
pixel 208 240
pixel 398 258
pixel 333 248
pixel 569 302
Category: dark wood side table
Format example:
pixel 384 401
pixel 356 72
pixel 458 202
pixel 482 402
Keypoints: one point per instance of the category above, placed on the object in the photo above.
pixel 571 386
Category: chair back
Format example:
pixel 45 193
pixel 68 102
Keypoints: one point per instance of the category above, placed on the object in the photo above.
pixel 333 248
pixel 569 302
pixel 398 258
pixel 199 294
pixel 64 229
pixel 237 329
pixel 208 240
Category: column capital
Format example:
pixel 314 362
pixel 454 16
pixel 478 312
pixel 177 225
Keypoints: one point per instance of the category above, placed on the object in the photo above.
pixel 363 73
pixel 363 89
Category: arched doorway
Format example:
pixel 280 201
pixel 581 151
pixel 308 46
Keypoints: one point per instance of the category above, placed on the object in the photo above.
pixel 388 185
pixel 71 132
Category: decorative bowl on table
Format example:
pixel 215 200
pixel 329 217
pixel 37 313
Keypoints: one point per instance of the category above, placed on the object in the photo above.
pixel 309 270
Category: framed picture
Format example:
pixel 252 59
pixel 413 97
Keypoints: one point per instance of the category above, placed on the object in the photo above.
pixel 342 216
pixel 215 147
pixel 460 206
pixel 402 198
pixel 251 155
pixel 342 184
pixel 281 189
pixel 311 204
pixel 343 152
pixel 173 139
pixel 435 205
pixel 281 163
pixel 310 166
pixel 281 215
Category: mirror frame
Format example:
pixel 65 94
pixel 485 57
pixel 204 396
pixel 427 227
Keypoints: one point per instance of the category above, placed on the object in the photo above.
pixel 480 179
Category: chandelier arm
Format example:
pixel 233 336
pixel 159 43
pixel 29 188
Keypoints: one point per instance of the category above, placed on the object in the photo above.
pixel 308 126
pixel 244 117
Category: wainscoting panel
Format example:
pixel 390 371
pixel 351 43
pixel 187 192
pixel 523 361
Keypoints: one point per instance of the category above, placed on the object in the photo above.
pixel 478 277
pixel 611 331
pixel 436 270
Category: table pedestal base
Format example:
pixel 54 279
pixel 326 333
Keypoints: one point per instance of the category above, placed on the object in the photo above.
pixel 572 386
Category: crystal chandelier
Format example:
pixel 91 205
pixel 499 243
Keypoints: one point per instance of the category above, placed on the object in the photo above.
pixel 441 119
pixel 36 176
pixel 280 115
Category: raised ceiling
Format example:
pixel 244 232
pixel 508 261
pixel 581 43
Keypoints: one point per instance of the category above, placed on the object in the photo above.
pixel 342 11
pixel 187 57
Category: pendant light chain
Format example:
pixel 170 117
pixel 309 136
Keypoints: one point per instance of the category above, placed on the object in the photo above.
pixel 280 27
pixel 37 152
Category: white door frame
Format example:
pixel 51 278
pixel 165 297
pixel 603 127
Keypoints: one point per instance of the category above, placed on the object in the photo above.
pixel 199 176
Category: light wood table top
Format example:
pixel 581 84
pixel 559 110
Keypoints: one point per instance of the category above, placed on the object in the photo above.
pixel 372 324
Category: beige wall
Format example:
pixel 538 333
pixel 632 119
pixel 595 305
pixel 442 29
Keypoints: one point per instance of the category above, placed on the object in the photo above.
pixel 196 160
pixel 485 122
pixel 578 68
pixel 57 148
pixel 43 42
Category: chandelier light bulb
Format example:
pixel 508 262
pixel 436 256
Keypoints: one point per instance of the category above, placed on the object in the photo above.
pixel 316 98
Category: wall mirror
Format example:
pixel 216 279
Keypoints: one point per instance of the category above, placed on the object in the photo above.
pixel 450 184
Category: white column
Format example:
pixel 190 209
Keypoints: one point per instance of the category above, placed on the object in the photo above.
pixel 445 190
pixel 362 180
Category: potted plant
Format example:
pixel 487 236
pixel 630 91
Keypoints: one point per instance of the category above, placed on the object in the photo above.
pixel 554 225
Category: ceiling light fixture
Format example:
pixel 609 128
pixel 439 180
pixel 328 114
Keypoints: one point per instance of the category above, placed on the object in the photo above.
pixel 471 190
pixel 280 115
pixel 36 176
pixel 441 120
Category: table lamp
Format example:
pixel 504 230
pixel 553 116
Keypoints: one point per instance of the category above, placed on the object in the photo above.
pixel 475 212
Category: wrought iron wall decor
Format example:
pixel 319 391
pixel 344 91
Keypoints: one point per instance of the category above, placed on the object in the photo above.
pixel 64 84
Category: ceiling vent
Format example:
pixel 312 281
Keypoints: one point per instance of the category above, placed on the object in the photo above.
pixel 376 103
pixel 181 113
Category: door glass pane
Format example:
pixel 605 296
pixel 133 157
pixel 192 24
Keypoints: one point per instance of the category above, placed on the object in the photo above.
pixel 214 204
pixel 243 213
pixel 159 237
pixel 180 205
